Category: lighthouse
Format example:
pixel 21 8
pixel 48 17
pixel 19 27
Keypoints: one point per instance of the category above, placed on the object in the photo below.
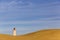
pixel 14 31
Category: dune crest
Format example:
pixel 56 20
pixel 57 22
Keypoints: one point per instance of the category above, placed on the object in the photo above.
pixel 51 34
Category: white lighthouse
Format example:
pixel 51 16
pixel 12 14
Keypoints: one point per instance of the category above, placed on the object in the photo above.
pixel 14 31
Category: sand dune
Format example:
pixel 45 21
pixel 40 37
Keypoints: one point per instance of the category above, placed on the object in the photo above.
pixel 51 34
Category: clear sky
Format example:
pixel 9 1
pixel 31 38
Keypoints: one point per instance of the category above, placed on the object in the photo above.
pixel 29 15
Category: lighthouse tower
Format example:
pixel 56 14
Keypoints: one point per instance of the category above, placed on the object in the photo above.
pixel 14 31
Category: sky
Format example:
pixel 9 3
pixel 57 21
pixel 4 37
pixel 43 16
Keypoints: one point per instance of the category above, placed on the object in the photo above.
pixel 29 15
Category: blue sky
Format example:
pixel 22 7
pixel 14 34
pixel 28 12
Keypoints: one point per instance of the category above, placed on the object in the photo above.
pixel 29 15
